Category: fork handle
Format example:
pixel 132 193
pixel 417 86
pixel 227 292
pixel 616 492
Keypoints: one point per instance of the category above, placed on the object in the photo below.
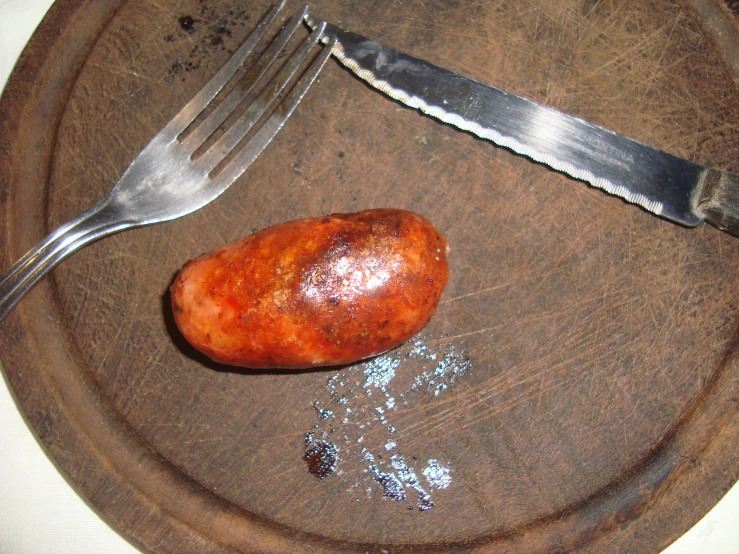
pixel 101 220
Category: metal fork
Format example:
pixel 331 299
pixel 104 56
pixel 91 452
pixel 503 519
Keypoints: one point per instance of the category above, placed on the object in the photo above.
pixel 170 178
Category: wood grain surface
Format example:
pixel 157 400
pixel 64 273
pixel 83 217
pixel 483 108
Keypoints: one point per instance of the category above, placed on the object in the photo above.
pixel 577 389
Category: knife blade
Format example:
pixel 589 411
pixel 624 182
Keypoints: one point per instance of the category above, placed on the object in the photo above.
pixel 666 185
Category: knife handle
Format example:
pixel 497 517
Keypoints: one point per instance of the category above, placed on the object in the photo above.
pixel 719 200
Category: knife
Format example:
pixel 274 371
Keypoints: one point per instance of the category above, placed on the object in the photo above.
pixel 671 187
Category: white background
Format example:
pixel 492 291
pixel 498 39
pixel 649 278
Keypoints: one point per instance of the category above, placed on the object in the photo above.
pixel 40 513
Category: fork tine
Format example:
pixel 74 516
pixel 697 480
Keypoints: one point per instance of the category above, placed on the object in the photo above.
pixel 163 182
pixel 257 143
pixel 245 86
pixel 228 141
pixel 210 90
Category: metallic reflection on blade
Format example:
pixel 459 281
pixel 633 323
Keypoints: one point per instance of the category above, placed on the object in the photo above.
pixel 657 181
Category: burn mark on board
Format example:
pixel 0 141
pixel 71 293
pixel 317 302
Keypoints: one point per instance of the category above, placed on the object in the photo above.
pixel 187 24
pixel 206 32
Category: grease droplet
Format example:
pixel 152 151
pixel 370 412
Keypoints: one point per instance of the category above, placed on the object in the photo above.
pixel 437 476
pixel 391 485
pixel 322 458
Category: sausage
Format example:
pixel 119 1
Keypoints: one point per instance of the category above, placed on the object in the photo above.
pixel 315 292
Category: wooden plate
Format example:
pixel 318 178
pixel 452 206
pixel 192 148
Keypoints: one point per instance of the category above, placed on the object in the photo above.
pixel 577 390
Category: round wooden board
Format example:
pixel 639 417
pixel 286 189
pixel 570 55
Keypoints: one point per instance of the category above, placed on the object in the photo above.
pixel 577 390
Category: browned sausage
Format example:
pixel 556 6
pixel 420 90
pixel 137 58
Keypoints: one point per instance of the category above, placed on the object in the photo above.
pixel 314 292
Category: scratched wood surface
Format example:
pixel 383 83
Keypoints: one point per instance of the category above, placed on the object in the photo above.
pixel 576 390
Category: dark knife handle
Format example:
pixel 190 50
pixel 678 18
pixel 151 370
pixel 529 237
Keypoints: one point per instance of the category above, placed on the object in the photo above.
pixel 719 200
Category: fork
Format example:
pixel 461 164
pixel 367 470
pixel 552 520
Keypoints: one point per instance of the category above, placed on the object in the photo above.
pixel 185 166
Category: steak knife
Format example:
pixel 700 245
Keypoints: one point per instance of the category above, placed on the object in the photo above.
pixel 666 185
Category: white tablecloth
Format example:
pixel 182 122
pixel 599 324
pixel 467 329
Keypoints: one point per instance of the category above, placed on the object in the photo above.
pixel 40 512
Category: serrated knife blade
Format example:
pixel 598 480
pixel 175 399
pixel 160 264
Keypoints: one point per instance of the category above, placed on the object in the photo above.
pixel 663 184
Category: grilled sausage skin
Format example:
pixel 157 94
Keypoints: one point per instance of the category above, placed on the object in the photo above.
pixel 315 292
